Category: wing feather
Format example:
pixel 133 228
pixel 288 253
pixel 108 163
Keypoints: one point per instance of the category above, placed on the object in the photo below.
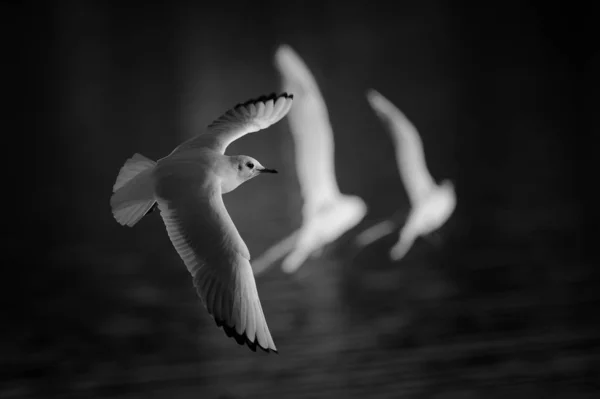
pixel 311 130
pixel 410 156
pixel 210 246
pixel 248 117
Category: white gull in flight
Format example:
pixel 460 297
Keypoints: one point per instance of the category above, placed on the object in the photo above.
pixel 431 204
pixel 326 213
pixel 187 185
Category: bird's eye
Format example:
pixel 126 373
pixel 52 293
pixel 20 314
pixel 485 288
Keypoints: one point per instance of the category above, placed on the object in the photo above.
pixel 250 165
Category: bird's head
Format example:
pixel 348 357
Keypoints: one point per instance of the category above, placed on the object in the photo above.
pixel 248 167
pixel 447 187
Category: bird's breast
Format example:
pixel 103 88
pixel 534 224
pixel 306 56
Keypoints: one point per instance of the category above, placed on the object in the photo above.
pixel 228 185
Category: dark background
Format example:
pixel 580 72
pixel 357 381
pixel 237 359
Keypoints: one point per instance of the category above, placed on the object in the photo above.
pixel 505 307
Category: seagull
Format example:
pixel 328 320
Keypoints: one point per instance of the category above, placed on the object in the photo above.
pixel 326 213
pixel 431 204
pixel 187 186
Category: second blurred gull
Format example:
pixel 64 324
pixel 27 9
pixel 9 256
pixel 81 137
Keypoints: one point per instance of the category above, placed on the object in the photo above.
pixel 431 204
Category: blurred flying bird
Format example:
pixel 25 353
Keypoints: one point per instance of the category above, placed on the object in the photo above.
pixel 326 213
pixel 431 204
pixel 188 185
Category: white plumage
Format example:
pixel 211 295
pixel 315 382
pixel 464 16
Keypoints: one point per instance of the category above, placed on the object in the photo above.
pixel 187 185
pixel 431 204
pixel 326 213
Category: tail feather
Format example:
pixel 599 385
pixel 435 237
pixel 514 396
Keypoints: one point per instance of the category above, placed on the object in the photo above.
pixel 133 191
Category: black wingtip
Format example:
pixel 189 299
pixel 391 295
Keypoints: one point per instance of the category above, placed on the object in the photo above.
pixel 265 98
pixel 152 209
pixel 241 339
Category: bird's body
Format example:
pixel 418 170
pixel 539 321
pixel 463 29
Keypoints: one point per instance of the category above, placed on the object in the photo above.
pixel 187 185
pixel 431 204
pixel 425 217
pixel 323 227
pixel 209 169
pixel 326 212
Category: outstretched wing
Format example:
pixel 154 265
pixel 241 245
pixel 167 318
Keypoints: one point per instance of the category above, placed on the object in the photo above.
pixel 248 117
pixel 209 244
pixel 375 232
pixel 409 148
pixel 311 130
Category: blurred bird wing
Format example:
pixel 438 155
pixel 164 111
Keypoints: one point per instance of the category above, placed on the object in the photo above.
pixel 244 118
pixel 209 244
pixel 311 130
pixel 274 253
pixel 407 237
pixel 409 148
pixel 375 232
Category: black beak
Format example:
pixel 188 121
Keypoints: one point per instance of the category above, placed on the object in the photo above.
pixel 265 170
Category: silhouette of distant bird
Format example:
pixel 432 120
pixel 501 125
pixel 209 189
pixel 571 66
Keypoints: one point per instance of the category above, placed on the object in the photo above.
pixel 431 204
pixel 326 213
